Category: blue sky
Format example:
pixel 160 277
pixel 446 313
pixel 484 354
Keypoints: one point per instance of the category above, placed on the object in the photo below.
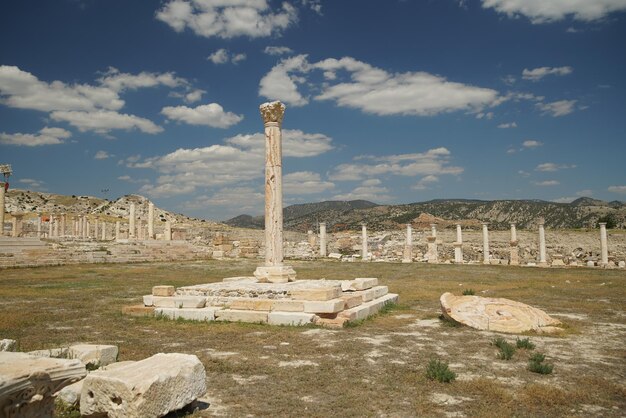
pixel 390 101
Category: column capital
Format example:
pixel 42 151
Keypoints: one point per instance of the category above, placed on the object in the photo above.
pixel 272 112
pixel 602 223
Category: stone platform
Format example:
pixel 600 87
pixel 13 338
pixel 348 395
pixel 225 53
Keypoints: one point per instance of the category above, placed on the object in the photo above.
pixel 242 299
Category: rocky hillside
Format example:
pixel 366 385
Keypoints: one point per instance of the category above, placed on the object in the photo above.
pixel 340 216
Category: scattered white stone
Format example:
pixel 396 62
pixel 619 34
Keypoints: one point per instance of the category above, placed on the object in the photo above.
pixel 94 354
pixel 8 345
pixel 148 388
pixel 297 363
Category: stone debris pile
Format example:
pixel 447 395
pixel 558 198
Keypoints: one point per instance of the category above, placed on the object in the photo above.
pixel 323 302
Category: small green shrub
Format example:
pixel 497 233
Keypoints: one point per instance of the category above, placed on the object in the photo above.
pixel 536 364
pixel 438 370
pixel 468 292
pixel 525 344
pixel 506 350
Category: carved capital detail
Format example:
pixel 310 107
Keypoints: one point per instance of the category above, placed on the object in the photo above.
pixel 272 112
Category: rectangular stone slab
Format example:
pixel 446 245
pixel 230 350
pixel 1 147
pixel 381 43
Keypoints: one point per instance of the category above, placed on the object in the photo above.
pixel 251 304
pixel 326 306
pixel 326 293
pixel 290 318
pixel 178 302
pixel 287 305
pixel 191 314
pixel 148 388
pixel 163 290
pixel 233 315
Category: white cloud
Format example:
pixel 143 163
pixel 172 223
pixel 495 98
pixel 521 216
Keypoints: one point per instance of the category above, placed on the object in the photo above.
pixel 223 56
pixel 617 189
pixel 523 173
pixel 102 155
pixel 558 108
pixel 305 182
pixel 545 11
pixel 239 161
pixel 32 183
pixel 364 192
pixel 423 183
pixel 531 143
pixel 46 136
pixel 507 125
pixel 227 18
pixel 132 180
pixel 355 84
pixel 547 183
pixel 277 50
pixel 194 96
pixel 371 182
pixel 237 199
pixel 432 162
pixel 209 115
pixel 564 199
pixel 553 167
pixel 103 121
pixel 21 89
pixel 537 74
pixel 119 81
pixel 314 5
pixel 295 143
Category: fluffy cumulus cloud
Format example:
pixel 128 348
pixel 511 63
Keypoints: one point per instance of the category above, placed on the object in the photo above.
pixel 102 155
pixel 434 162
pixel 103 121
pixel 277 50
pixel 531 143
pixel 356 84
pixel 211 114
pixel 223 56
pixel 545 11
pixel 537 74
pixel 46 136
pixel 425 182
pixel 553 167
pixel 295 143
pixel 617 189
pixel 228 18
pixel 89 107
pixel 305 182
pixel 558 108
pixel 239 161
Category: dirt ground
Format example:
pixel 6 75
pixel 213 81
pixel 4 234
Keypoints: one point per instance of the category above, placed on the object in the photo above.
pixel 377 368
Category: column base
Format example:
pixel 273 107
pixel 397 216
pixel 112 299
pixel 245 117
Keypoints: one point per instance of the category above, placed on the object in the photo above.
pixel 275 274
pixel 407 260
pixel 542 264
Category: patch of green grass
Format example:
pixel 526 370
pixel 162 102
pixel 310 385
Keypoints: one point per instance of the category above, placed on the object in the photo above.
pixel 506 349
pixel 525 344
pixel 65 410
pixel 536 364
pixel 438 370
pixel 468 292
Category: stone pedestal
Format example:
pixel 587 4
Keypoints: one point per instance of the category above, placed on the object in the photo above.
pixel 168 231
pixel 485 243
pixel 273 271
pixel 408 247
pixel 322 239
pixel 364 251
pixel 543 262
pixel 150 220
pixel 432 254
pixel 131 222
pixel 513 253
pixel 604 248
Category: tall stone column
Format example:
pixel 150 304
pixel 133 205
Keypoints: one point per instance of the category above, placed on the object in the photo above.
pixel 56 226
pixel 104 230
pixel 604 248
pixel 150 220
pixel 273 271
pixel 543 262
pixel 95 229
pixel 168 231
pixel 458 245
pixel 322 239
pixel 408 246
pixel 14 227
pixel 514 251
pixel 63 224
pixel 118 225
pixel 1 208
pixel 364 242
pixel 131 222
pixel 50 226
pixel 485 243
pixel 87 228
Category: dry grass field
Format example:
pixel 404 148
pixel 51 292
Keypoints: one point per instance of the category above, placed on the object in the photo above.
pixel 377 368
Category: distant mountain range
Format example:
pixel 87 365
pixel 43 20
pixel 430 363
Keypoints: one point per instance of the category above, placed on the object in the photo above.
pixel 348 215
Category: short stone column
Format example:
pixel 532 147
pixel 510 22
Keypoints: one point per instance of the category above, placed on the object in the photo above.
pixel 131 222
pixel 95 229
pixel 104 231
pixel 543 262
pixel 322 239
pixel 38 226
pixel 150 220
pixel 458 245
pixel 273 271
pixel 49 226
pixel 118 226
pixel 432 252
pixel 408 246
pixel 17 225
pixel 140 229
pixel 87 229
pixel 168 231
pixel 604 247
pixel 63 224
pixel 1 208
pixel 485 243
pixel 55 223
pixel 364 255
pixel 513 248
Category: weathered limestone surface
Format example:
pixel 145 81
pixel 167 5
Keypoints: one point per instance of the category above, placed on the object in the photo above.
pixel 96 354
pixel 148 388
pixel 163 290
pixel 290 318
pixel 28 383
pixel 71 394
pixel 496 314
